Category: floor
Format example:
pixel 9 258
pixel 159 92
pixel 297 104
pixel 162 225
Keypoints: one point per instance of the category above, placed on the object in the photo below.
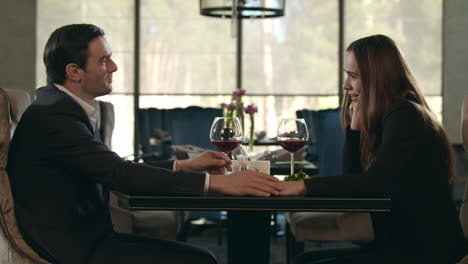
pixel 208 238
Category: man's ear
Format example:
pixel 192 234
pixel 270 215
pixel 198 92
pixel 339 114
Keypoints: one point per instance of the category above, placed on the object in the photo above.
pixel 72 72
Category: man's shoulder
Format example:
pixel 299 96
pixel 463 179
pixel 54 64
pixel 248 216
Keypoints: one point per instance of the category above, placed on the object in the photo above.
pixel 49 95
pixel 49 98
pixel 50 104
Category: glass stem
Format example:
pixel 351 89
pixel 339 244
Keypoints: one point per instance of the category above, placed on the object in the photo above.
pixel 292 163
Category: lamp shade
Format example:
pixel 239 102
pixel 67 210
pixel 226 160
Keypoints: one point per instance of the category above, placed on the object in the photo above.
pixel 242 8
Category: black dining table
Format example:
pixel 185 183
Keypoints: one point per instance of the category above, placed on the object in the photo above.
pixel 249 218
pixel 284 167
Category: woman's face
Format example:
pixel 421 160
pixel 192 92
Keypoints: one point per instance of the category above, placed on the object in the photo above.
pixel 352 84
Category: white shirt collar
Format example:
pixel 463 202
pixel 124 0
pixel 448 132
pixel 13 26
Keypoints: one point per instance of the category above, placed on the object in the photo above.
pixel 90 111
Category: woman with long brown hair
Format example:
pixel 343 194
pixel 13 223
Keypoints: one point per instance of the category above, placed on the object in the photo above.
pixel 394 147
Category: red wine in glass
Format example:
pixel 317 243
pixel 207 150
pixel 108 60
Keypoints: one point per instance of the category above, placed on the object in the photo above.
pixel 226 134
pixel 292 145
pixel 292 136
pixel 226 145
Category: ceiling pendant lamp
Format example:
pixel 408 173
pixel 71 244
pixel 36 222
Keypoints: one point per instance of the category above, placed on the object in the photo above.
pixel 242 8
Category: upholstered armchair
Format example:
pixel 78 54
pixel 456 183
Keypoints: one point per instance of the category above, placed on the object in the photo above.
pixel 464 208
pixel 157 129
pixel 13 248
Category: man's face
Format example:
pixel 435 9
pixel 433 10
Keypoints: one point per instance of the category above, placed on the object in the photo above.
pixel 96 77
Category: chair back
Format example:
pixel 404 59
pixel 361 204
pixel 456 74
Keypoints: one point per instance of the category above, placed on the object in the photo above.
pixel 326 139
pixel 13 248
pixel 464 132
pixel 192 125
pixel 189 125
pixel 105 120
pixel 464 123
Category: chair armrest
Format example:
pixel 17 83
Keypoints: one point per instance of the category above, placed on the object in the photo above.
pixel 122 219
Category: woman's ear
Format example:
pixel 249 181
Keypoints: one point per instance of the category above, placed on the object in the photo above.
pixel 72 72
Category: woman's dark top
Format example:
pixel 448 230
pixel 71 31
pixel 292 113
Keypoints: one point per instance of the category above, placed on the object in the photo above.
pixel 423 226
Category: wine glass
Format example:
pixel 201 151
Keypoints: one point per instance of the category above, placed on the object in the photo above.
pixel 226 134
pixel 292 136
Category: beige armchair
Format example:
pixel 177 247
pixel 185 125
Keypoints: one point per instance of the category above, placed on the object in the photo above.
pixel 13 248
pixel 324 227
pixel 464 208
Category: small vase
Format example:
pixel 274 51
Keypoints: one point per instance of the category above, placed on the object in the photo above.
pixel 251 138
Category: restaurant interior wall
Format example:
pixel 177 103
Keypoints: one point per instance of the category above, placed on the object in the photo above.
pixel 455 54
pixel 18 35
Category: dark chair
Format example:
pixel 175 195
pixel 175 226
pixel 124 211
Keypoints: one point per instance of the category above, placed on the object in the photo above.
pixel 184 126
pixel 309 117
pixel 192 125
pixel 153 144
pixel 326 140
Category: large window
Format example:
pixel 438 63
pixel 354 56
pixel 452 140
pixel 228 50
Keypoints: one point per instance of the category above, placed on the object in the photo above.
pixel 116 17
pixel 415 27
pixel 289 63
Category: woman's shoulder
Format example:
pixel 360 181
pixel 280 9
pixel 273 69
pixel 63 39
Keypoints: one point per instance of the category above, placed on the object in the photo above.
pixel 405 115
pixel 404 108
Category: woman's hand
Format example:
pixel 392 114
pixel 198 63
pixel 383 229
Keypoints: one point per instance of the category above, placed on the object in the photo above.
pixel 355 117
pixel 209 161
pixel 292 188
pixel 245 183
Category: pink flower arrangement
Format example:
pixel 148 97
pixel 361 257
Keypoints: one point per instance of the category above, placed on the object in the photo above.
pixel 236 108
pixel 237 94
pixel 251 109
pixel 228 106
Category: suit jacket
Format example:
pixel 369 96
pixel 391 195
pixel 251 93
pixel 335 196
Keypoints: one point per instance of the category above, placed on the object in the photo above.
pixel 54 164
pixel 423 226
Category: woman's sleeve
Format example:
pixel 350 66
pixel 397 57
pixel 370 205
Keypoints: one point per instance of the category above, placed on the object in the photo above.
pixel 351 152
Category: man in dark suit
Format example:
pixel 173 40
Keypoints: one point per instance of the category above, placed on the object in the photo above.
pixel 59 170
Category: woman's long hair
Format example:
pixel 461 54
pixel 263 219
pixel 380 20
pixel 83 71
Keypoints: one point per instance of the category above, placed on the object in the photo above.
pixel 386 78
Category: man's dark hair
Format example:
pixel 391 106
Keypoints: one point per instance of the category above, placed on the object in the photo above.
pixel 68 44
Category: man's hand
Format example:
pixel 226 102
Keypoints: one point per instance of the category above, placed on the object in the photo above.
pixel 245 183
pixel 292 188
pixel 209 161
